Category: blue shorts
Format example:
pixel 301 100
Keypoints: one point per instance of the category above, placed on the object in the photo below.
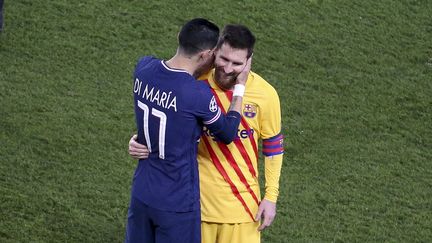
pixel 147 224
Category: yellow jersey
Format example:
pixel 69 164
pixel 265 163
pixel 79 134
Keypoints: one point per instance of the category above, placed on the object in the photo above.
pixel 228 174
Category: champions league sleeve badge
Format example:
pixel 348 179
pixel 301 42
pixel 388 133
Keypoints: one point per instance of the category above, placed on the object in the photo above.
pixel 249 111
pixel 213 107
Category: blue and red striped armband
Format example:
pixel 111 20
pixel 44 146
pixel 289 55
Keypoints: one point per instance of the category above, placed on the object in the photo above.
pixel 273 146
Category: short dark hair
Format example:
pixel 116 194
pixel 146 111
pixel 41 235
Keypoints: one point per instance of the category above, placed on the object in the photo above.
pixel 197 35
pixel 237 36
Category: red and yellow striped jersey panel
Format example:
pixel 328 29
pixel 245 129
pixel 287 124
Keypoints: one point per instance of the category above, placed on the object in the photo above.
pixel 228 173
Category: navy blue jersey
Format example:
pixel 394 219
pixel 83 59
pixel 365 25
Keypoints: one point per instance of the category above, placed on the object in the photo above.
pixel 171 108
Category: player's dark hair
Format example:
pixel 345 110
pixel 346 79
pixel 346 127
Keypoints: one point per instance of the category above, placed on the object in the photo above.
pixel 238 37
pixel 197 35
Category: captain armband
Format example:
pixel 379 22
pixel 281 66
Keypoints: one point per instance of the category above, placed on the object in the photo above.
pixel 273 146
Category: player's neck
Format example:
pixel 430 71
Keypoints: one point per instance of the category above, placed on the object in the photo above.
pixel 183 63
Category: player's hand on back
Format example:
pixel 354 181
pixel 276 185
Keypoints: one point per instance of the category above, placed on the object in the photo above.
pixel 243 76
pixel 137 150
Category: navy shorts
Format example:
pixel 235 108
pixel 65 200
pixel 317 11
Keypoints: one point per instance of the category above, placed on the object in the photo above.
pixel 147 224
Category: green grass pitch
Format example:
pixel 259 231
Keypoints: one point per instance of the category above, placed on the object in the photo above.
pixel 354 79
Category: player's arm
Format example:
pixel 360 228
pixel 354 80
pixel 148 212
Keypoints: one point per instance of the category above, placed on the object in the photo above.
pixel 225 128
pixel 267 208
pixel 272 148
pixel 273 156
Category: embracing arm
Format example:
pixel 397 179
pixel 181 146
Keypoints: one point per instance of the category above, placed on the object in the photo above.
pixel 137 150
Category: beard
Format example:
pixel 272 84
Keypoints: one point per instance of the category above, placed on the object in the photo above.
pixel 225 81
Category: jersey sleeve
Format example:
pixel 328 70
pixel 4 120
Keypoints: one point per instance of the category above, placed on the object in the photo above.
pixel 223 126
pixel 273 167
pixel 272 145
pixel 270 124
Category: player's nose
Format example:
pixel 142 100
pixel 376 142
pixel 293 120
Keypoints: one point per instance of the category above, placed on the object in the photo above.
pixel 228 68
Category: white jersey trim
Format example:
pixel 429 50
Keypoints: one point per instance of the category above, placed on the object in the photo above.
pixel 214 118
pixel 173 69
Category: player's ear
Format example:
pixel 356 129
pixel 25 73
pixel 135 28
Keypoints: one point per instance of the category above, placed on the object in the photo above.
pixel 203 54
pixel 207 53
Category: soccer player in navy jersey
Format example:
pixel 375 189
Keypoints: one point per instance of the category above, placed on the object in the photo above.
pixel 171 108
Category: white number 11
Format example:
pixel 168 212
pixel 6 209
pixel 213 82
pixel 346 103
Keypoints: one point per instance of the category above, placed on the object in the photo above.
pixel 162 128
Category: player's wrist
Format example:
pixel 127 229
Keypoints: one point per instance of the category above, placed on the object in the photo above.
pixel 239 90
pixel 271 198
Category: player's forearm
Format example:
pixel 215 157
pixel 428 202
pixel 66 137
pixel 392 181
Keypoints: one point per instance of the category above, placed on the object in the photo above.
pixel 236 104
pixel 273 167
pixel 226 130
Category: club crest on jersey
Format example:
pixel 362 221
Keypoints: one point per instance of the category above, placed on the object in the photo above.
pixel 213 105
pixel 249 111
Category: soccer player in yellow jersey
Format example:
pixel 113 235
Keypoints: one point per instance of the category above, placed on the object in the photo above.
pixel 232 209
